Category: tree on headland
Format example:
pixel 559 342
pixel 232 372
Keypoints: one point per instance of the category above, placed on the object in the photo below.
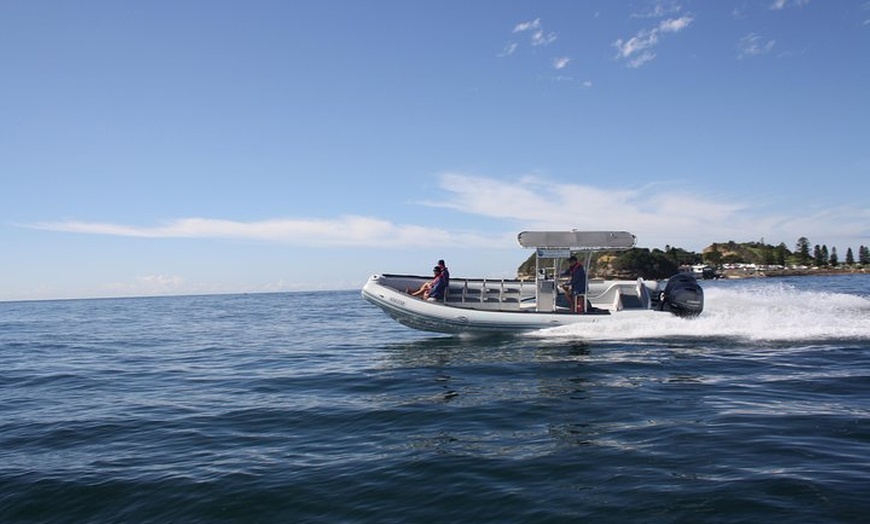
pixel 850 258
pixel 864 255
pixel 820 255
pixel 834 260
pixel 782 254
pixel 768 254
pixel 803 251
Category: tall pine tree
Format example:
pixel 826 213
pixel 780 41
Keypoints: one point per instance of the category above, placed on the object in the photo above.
pixel 802 248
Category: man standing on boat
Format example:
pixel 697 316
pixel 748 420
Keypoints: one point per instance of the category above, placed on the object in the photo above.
pixel 577 293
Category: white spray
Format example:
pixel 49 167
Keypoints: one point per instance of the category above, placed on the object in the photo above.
pixel 764 312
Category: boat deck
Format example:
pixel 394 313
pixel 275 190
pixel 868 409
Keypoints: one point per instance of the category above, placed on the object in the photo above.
pixel 527 295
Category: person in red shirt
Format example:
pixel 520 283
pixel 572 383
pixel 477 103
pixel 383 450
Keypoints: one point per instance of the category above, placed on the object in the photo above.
pixel 424 290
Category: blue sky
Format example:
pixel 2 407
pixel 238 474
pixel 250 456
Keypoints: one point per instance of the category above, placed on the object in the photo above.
pixel 172 147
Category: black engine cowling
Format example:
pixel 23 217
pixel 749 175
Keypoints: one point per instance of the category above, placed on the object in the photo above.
pixel 683 296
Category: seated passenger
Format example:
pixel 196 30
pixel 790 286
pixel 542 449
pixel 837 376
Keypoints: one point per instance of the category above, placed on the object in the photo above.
pixel 424 289
pixel 437 289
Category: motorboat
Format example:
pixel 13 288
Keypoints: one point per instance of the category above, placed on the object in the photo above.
pixel 499 305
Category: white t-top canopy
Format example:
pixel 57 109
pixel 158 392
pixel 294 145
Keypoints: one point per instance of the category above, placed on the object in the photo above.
pixel 578 240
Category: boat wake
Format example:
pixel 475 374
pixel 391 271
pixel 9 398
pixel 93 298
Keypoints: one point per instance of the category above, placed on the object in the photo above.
pixel 755 312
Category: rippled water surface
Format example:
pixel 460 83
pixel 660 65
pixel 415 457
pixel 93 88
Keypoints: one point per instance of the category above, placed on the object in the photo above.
pixel 316 407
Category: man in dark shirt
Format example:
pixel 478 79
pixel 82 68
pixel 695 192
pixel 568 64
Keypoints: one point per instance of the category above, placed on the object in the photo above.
pixel 577 294
pixel 445 273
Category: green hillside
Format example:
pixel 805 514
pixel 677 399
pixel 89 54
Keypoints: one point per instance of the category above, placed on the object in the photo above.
pixel 658 264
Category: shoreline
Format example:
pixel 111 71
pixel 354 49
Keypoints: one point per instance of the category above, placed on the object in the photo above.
pixel 741 273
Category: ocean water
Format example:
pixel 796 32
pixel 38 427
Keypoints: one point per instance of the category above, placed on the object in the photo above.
pixel 316 407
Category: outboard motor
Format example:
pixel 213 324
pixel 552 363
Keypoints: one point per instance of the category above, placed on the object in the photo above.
pixel 682 296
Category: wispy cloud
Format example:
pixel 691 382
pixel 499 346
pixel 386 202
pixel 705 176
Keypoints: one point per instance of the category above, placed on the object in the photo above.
pixel 509 49
pixel 659 9
pixel 538 35
pixel 560 62
pixel 537 202
pixel 532 25
pixel 151 285
pixel 754 45
pixel 658 213
pixel 341 231
pixel 675 25
pixel 782 4
pixel 638 49
pixel 539 38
